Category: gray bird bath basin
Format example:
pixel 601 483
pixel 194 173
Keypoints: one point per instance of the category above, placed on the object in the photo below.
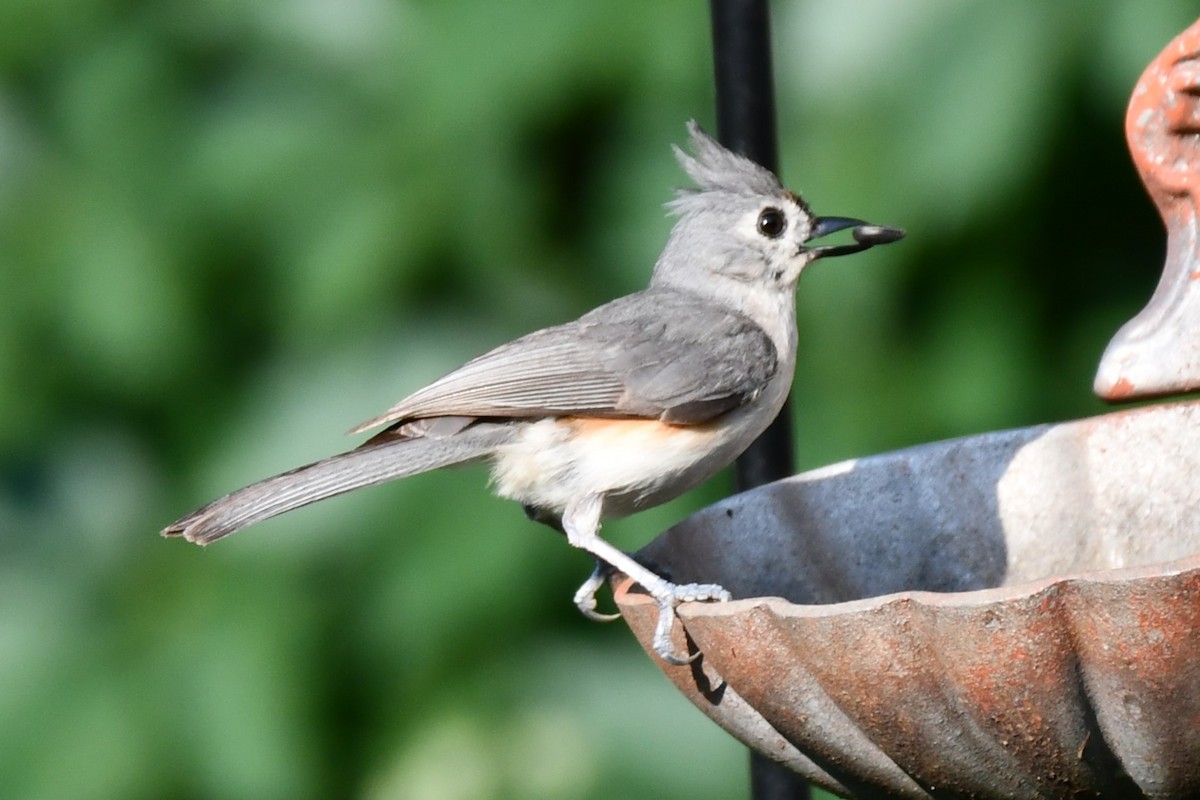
pixel 1037 629
pixel 1014 614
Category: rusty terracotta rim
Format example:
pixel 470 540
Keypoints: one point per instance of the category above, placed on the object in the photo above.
pixel 625 591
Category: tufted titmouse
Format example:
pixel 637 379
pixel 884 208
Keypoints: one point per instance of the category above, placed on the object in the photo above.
pixel 625 408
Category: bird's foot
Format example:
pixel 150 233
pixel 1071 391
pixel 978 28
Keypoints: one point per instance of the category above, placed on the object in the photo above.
pixel 668 598
pixel 585 596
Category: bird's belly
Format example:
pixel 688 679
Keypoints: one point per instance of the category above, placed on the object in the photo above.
pixel 633 463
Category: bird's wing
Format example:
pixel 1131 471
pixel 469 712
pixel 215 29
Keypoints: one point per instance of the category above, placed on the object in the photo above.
pixel 657 354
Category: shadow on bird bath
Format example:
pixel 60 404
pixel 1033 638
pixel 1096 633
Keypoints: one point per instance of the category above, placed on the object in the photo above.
pixel 1034 610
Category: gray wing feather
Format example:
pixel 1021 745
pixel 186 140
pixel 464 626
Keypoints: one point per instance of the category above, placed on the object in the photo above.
pixel 656 354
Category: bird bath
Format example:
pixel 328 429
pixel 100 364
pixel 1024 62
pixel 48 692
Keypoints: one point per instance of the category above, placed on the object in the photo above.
pixel 1014 614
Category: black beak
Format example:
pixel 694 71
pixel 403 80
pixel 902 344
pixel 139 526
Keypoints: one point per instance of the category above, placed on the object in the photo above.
pixel 865 236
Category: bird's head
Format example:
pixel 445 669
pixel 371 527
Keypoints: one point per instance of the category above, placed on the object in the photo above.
pixel 741 226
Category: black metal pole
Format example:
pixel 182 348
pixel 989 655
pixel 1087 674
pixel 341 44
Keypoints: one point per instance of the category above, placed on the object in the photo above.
pixel 745 89
pixel 741 31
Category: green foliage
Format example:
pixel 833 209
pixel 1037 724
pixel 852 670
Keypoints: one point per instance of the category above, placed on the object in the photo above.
pixel 229 231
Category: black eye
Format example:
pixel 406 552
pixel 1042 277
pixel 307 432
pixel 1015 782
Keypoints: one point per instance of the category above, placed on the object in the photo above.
pixel 772 223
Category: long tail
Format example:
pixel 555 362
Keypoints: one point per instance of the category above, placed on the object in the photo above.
pixel 356 469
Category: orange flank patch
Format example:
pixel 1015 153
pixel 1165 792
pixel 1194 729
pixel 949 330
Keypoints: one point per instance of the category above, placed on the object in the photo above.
pixel 634 431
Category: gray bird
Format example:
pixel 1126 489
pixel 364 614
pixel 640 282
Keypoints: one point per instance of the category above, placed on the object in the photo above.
pixel 627 407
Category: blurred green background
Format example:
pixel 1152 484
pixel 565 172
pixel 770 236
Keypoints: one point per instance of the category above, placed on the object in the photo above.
pixel 231 230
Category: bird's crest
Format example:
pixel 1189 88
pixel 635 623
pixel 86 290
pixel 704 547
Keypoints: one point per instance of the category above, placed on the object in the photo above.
pixel 717 169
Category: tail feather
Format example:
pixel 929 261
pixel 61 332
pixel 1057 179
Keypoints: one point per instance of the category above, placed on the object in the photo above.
pixel 356 469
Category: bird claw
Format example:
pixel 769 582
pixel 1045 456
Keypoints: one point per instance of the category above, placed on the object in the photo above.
pixel 699 593
pixel 667 603
pixel 585 596
pixel 667 595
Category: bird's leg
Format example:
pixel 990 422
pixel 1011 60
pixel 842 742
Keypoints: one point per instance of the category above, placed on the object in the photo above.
pixel 581 523
pixel 585 595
